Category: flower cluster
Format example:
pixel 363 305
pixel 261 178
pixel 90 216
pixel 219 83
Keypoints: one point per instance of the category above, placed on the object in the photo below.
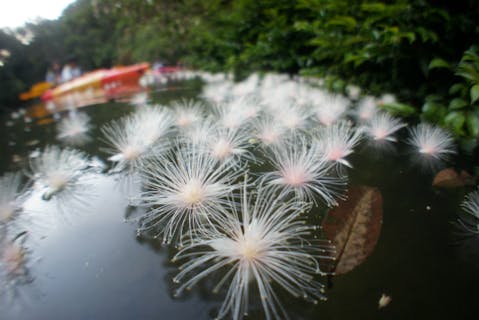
pixel 230 180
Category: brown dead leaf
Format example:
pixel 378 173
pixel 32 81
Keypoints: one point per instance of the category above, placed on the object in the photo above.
pixel 449 178
pixel 354 227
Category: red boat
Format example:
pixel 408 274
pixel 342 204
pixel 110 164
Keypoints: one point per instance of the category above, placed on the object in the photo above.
pixel 111 81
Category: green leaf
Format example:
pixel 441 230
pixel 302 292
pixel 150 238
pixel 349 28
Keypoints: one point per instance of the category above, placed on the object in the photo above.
pixel 437 63
pixel 433 112
pixel 468 145
pixel 455 88
pixel 472 123
pixel 455 121
pixel 344 21
pixel 434 98
pixel 410 36
pixel 338 85
pixel 302 26
pixel 373 7
pixel 399 109
pixel 457 103
pixel 474 93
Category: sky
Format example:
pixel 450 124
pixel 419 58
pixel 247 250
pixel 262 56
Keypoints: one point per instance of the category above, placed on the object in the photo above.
pixel 14 13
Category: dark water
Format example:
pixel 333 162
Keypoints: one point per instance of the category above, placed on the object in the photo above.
pixel 87 262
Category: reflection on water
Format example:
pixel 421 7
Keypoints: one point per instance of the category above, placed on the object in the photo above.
pixel 81 256
pixel 15 260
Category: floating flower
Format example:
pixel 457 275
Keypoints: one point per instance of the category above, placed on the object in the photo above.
pixel 353 91
pixel 265 243
pixel 382 126
pixel 471 203
pixel 367 108
pixel 337 141
pixel 431 143
pixel 187 190
pixel 305 171
pixel 134 138
pixel 268 131
pixel 57 171
pixel 218 91
pixel 330 108
pixel 386 98
pixel 292 117
pixel 187 113
pixel 74 129
pixel 230 145
pixel 235 114
pixel 200 133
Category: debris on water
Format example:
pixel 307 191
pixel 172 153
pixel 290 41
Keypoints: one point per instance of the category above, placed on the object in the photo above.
pixel 16 158
pixel 32 143
pixel 384 301
pixel 35 153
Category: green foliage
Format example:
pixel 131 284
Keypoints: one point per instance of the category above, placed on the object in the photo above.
pixel 400 109
pixel 458 110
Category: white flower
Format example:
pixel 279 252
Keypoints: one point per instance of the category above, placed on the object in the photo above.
pixel 353 91
pixel 367 108
pixel 247 86
pixel 230 145
pixel 74 129
pixel 305 171
pixel 292 117
pixel 338 141
pixel 219 91
pixel 57 171
pixel 265 242
pixel 382 126
pixel 471 203
pixel 236 113
pixel 431 143
pixel 330 108
pixel 201 132
pixel 268 130
pixel 134 138
pixel 186 191
pixel 386 98
pixel 187 113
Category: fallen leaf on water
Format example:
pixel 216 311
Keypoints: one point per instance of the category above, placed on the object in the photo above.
pixel 384 301
pixel 449 178
pixel 354 227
